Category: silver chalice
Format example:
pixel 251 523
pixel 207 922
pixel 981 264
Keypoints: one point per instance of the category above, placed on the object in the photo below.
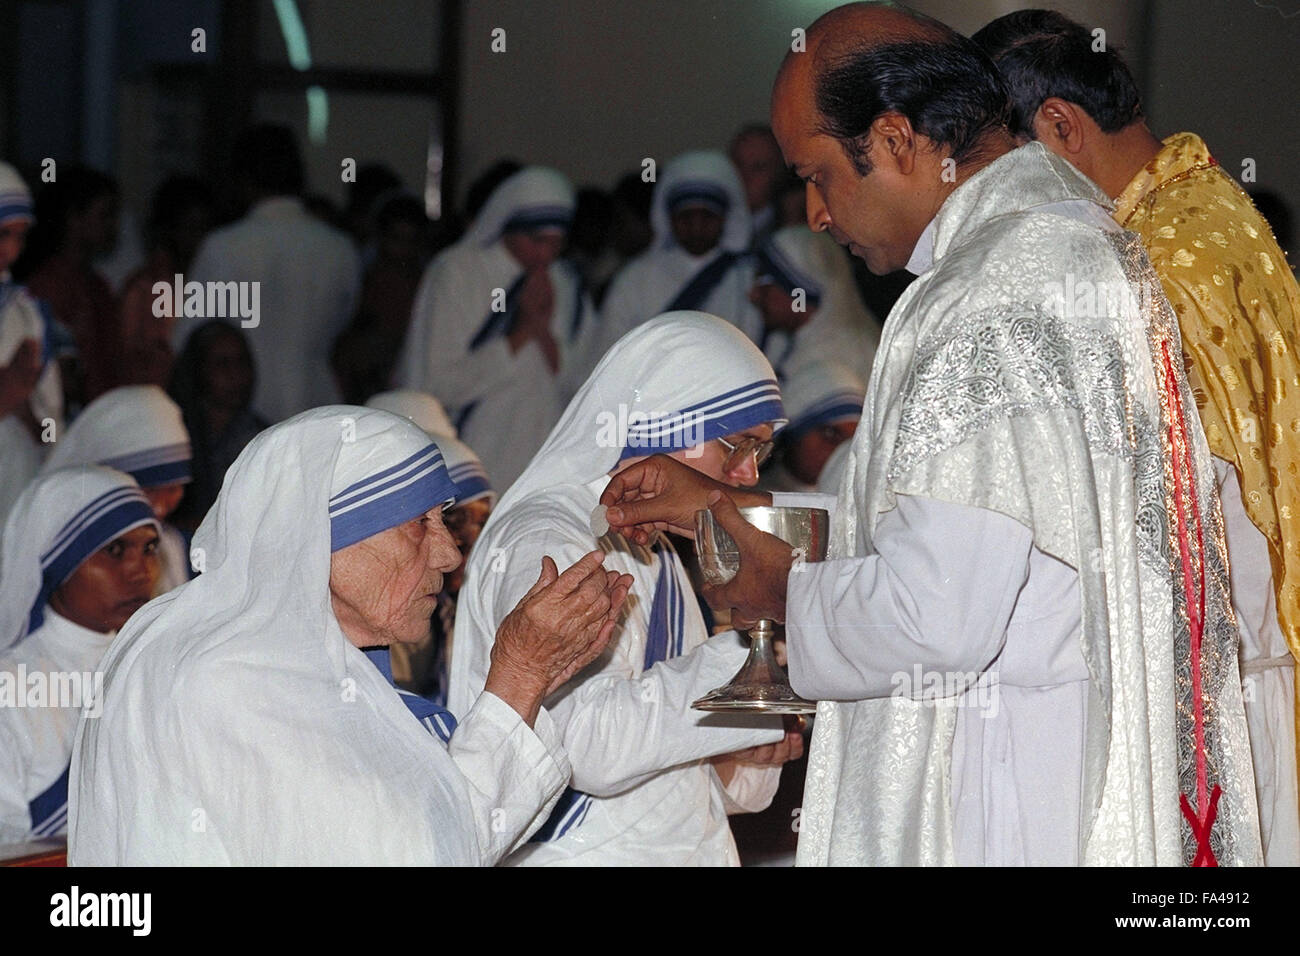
pixel 760 686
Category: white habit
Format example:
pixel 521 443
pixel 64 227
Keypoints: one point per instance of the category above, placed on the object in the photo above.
pixel 241 727
pixel 643 791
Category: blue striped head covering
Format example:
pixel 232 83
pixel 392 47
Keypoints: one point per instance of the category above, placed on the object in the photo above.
pixel 137 429
pixel 15 197
pixel 463 464
pixel 697 194
pixel 535 198
pixel 384 479
pixel 822 393
pixel 705 178
pixel 774 265
pixel 60 520
pixel 677 381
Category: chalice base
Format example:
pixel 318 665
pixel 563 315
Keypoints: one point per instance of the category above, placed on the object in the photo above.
pixel 760 686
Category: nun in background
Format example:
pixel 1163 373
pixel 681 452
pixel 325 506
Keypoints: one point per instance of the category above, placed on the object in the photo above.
pixel 697 261
pixel 33 392
pixel 80 557
pixel 423 667
pixel 502 332
pixel 138 429
pixel 811 308
pixel 644 789
pixel 245 723
pixel 824 401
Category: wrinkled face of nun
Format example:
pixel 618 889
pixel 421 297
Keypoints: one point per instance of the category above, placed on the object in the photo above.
pixel 384 588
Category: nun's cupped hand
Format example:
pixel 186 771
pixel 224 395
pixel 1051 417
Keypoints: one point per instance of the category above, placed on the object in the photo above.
pixel 560 626
pixel 658 494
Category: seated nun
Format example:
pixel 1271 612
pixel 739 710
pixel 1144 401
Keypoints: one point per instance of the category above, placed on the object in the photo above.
pixel 697 261
pixel 502 331
pixel 824 401
pixel 80 557
pixel 139 430
pixel 422 667
pixel 812 310
pixel 644 788
pixel 242 722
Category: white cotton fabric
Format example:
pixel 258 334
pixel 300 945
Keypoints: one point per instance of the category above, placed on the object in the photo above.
pixel 122 426
pixel 841 329
pixel 420 407
pixel 503 404
pixel 125 427
pixel 309 283
pixel 35 741
pixel 20 319
pixel 241 727
pixel 650 282
pixel 634 742
pixel 880 784
pixel 1267 676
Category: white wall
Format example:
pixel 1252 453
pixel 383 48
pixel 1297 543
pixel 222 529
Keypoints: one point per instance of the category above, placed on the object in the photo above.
pixel 594 86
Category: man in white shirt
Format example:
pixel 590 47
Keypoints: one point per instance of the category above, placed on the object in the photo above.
pixel 308 277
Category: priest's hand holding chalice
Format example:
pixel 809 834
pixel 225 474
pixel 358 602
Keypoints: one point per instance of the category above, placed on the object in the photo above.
pixel 746 549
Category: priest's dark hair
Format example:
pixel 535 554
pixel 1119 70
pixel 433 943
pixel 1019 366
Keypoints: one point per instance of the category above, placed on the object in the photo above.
pixel 266 157
pixel 1042 53
pixel 946 87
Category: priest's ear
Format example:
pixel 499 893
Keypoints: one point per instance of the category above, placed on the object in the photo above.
pixel 1062 126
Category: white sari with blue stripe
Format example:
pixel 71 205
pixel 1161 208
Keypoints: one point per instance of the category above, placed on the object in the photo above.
pixel 59 521
pixel 643 791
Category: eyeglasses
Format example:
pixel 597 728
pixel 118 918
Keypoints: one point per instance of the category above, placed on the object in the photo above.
pixel 737 453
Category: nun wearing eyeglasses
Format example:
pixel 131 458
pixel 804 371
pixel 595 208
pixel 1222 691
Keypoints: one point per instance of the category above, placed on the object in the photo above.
pixel 501 331
pixel 697 261
pixel 80 557
pixel 138 429
pixel 249 717
pixel 811 308
pixel 645 790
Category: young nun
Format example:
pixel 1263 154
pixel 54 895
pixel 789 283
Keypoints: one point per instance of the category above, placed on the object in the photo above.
pixel 811 307
pixel 501 331
pixel 244 724
pixel 422 667
pixel 79 559
pixel 27 334
pixel 697 260
pixel 643 789
pixel 138 429
pixel 824 401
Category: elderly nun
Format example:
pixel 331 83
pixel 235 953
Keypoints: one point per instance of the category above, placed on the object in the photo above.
pixel 501 331
pixel 139 430
pixel 812 310
pixel 644 788
pixel 423 667
pixel 80 557
pixel 697 261
pixel 243 724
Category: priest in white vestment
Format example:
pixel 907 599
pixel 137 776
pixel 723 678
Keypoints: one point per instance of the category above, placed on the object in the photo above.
pixel 1023 643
